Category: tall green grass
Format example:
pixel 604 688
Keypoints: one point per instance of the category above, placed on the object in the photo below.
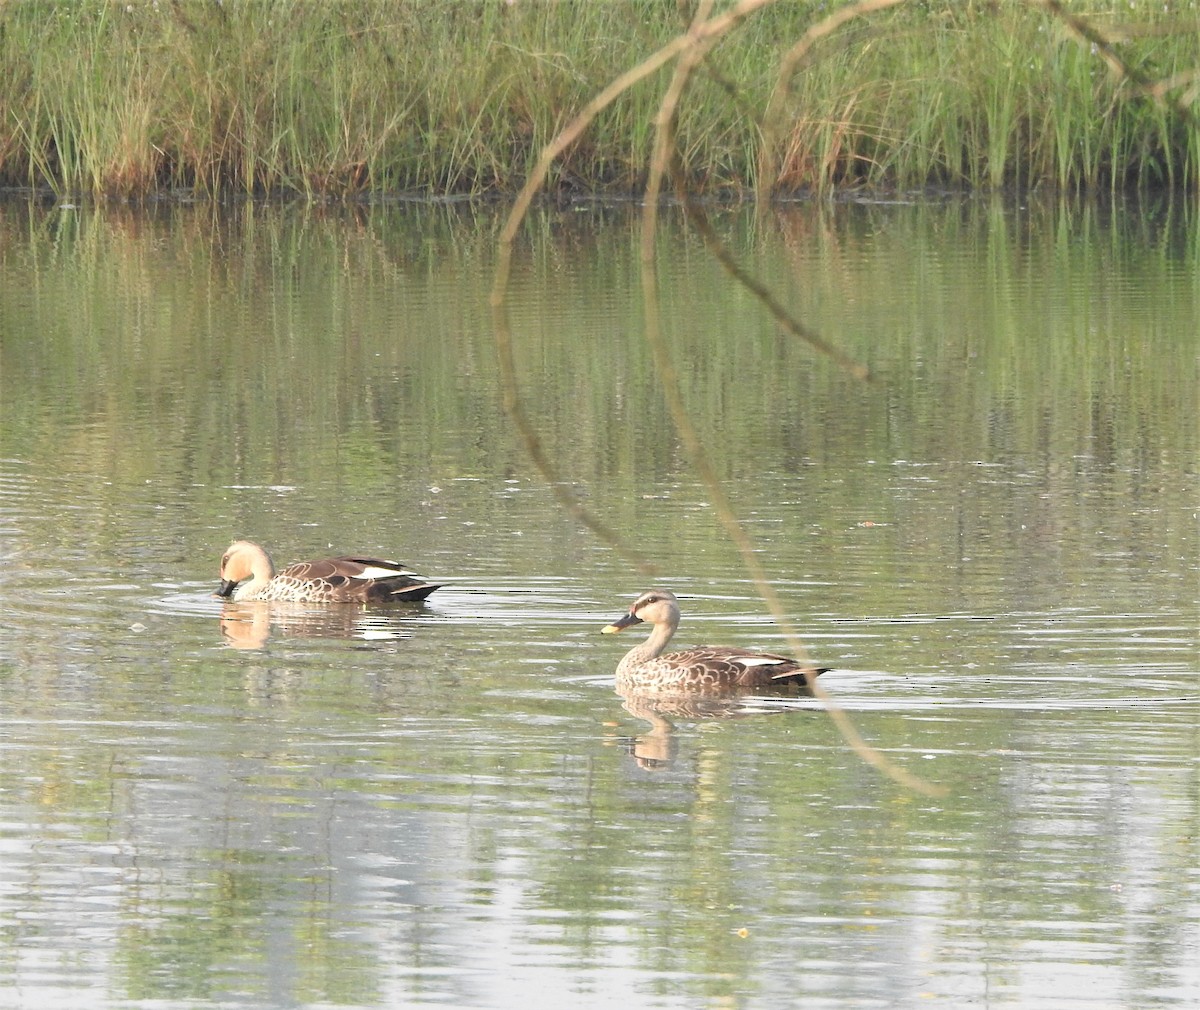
pixel 458 96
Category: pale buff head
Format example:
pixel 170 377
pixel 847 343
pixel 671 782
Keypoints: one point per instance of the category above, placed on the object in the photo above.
pixel 244 560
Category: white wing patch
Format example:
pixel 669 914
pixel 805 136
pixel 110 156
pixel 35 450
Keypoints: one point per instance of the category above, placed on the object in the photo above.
pixel 374 572
pixel 758 661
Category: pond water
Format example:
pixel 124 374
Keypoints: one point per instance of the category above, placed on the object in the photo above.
pixel 994 544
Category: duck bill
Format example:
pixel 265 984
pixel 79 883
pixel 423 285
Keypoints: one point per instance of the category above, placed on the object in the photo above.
pixel 620 625
pixel 226 588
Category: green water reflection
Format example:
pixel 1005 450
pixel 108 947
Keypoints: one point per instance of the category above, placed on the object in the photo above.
pixel 994 543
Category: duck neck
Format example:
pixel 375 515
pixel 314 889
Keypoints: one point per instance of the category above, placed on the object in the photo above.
pixel 651 648
pixel 261 573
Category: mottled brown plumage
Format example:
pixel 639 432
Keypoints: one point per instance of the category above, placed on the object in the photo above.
pixel 331 580
pixel 702 669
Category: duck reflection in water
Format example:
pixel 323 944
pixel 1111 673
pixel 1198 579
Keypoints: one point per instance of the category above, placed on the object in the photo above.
pixel 251 625
pixel 657 748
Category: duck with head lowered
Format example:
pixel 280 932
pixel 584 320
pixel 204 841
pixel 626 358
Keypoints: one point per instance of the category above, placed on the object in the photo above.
pixel 332 580
pixel 701 669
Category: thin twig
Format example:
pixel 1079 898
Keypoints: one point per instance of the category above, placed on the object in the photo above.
pixel 513 403
pixel 792 59
pixel 1106 48
pixel 690 48
pixel 666 158
pixel 713 243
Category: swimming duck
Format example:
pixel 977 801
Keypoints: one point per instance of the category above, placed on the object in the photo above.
pixel 333 580
pixel 703 668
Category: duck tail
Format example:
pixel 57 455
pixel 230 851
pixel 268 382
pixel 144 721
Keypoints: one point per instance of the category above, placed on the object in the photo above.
pixel 799 678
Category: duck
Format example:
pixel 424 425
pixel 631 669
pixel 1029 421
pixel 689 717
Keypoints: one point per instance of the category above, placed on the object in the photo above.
pixel 701 669
pixel 332 580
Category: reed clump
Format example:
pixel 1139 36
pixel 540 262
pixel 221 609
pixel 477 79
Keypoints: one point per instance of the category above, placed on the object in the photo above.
pixel 459 96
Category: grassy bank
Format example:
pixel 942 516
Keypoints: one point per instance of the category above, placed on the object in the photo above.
pixel 458 96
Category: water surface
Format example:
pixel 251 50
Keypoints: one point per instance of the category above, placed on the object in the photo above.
pixel 994 544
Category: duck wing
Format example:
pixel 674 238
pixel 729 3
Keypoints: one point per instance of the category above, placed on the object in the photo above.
pixel 360 579
pixel 743 667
